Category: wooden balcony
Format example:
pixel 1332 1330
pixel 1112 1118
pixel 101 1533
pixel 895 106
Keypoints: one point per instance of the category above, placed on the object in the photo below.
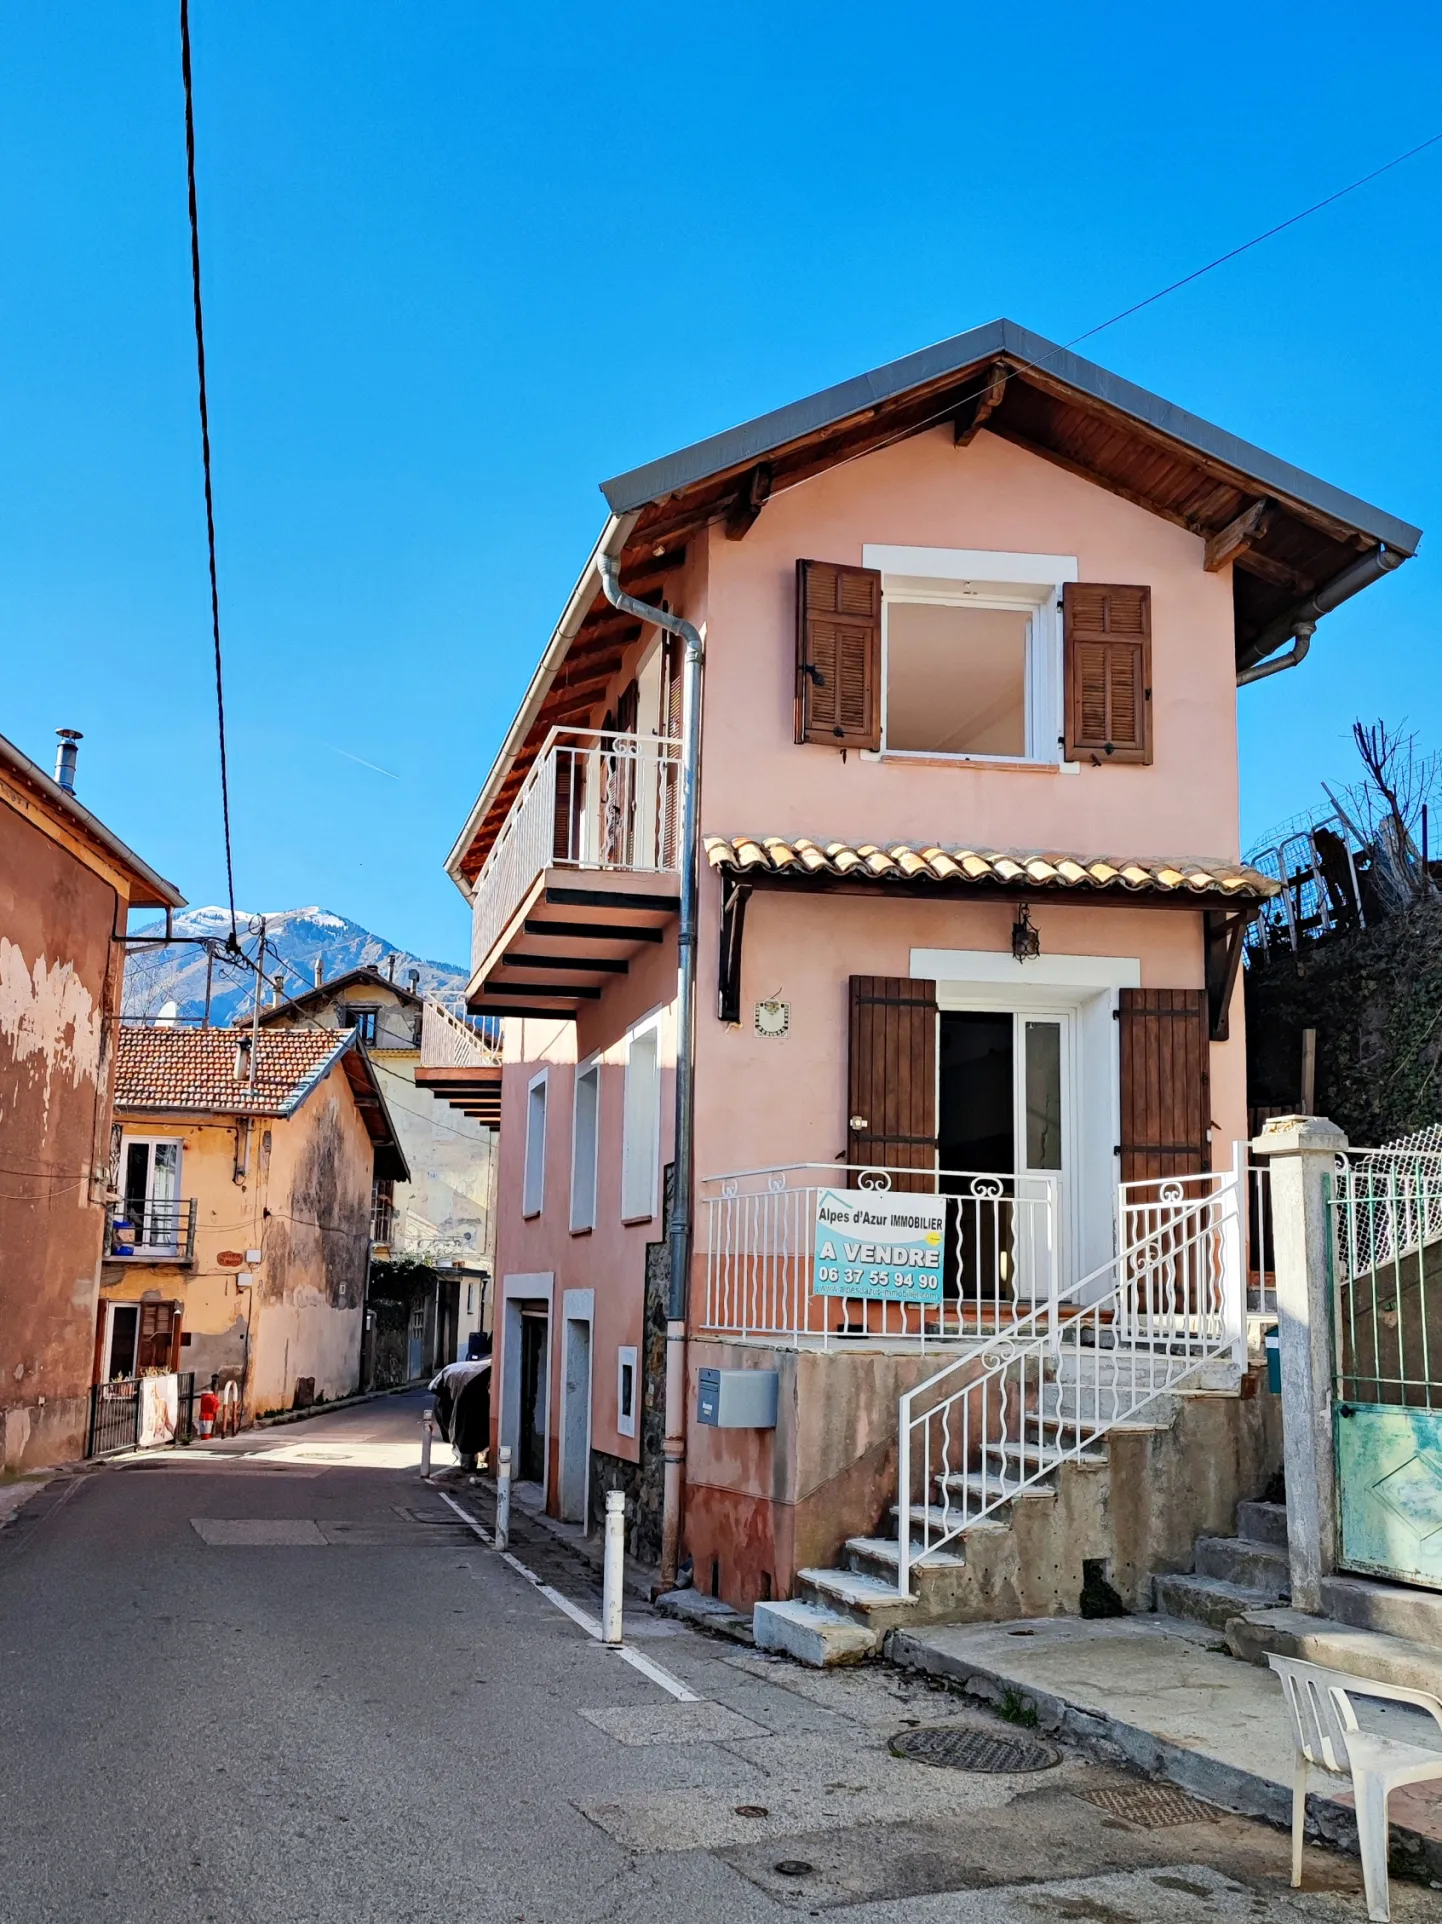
pixel 582 877
pixel 459 1066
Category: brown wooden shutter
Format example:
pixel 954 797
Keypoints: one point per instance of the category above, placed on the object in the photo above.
pixel 891 1085
pixel 838 655
pixel 671 665
pixel 1166 1083
pixel 1107 641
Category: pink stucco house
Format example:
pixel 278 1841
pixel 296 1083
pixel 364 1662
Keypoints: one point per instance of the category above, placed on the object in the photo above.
pixel 959 1218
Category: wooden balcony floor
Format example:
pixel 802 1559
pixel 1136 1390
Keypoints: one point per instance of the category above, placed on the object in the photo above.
pixel 577 930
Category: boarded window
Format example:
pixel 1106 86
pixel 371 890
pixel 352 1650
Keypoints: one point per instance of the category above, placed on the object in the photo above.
pixel 1166 1084
pixel 1108 654
pixel 533 1175
pixel 891 1085
pixel 838 655
pixel 641 1126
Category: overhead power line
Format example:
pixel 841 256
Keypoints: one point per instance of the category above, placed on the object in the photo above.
pixel 205 453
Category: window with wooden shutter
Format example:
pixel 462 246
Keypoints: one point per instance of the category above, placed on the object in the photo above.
pixel 1166 1084
pixel 891 1084
pixel 838 655
pixel 1107 640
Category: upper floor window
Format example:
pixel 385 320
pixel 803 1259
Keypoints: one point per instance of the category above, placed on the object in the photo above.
pixel 362 1020
pixel 584 1142
pixel 641 1124
pixel 973 655
pixel 533 1179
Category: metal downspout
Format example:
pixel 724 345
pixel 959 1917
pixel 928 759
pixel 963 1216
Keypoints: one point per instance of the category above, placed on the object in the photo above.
pixel 1299 622
pixel 681 1232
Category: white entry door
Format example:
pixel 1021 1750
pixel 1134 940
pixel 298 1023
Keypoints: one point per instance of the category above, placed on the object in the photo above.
pixel 151 1184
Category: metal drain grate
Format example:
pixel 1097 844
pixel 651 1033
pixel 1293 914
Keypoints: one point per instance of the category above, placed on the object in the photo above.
pixel 962 1749
pixel 1150 1806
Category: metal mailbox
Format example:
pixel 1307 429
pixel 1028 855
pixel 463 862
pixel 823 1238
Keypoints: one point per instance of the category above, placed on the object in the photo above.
pixel 737 1399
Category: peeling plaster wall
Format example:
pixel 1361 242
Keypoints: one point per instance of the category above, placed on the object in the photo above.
pixel 57 982
pixel 303 1200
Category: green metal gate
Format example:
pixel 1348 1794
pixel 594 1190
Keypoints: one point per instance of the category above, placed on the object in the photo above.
pixel 1385 1223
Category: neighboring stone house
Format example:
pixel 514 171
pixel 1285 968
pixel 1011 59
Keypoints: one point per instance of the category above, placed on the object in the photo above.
pixel 442 1215
pixel 240 1242
pixel 66 886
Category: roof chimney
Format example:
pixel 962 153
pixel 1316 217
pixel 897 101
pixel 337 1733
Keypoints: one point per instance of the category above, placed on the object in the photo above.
pixel 65 758
pixel 277 983
pixel 242 1059
pixel 391 966
pixel 413 976
pixel 320 971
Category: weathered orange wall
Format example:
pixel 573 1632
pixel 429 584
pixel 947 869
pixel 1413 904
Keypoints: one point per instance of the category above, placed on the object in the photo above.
pixel 59 981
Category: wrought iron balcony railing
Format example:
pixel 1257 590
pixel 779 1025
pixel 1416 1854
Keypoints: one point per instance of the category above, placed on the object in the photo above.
pixel 150 1232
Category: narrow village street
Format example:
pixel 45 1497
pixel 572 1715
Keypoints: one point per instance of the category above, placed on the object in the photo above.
pixel 281 1680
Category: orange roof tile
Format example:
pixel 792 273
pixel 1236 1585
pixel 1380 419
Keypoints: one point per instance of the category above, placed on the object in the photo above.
pixel 1007 868
pixel 196 1069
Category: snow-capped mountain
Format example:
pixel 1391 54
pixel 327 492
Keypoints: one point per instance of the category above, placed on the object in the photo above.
pixel 294 938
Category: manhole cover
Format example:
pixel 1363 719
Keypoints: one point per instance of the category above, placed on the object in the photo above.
pixel 795 1867
pixel 954 1749
pixel 1150 1806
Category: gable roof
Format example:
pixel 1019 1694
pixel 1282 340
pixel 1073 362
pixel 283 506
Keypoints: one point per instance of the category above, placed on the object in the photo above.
pixel 364 977
pixel 147 889
pixel 1301 535
pixel 193 1072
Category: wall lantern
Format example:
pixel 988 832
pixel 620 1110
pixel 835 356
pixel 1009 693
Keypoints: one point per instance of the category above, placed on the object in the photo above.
pixel 1025 940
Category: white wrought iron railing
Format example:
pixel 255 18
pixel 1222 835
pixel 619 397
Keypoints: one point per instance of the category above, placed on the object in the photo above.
pixel 1385 1209
pixel 997 1241
pixel 450 1042
pixel 1008 1409
pixel 1261 1248
pixel 591 800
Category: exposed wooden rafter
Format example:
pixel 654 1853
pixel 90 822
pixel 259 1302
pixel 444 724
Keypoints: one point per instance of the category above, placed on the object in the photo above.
pixel 751 498
pixel 973 414
pixel 1233 541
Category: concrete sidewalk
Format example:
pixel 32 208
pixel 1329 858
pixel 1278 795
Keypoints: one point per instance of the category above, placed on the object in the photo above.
pixel 1136 1690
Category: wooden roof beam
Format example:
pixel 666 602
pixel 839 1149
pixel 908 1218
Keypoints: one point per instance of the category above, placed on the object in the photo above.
pixel 1240 534
pixel 751 498
pixel 973 413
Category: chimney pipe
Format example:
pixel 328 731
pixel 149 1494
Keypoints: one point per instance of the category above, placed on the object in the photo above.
pixel 277 988
pixel 320 972
pixel 413 976
pixel 391 966
pixel 65 756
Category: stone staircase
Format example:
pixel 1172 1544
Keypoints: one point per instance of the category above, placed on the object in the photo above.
pixel 1026 1555
pixel 1232 1574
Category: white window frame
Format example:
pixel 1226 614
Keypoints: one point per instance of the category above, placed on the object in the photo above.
pixel 533 1177
pixel 992 579
pixel 585 1163
pixel 626 1359
pixel 152 1143
pixel 639 1191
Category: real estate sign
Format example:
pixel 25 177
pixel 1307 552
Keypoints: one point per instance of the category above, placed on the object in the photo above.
pixel 874 1243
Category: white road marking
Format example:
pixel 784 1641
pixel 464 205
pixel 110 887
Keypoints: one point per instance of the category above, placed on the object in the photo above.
pixel 654 1671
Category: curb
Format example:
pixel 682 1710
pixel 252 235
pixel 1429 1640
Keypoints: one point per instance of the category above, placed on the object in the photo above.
pixel 340 1403
pixel 1109 1740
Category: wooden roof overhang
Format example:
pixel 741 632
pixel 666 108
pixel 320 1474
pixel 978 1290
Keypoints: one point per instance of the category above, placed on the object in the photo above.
pixel 1287 534
pixel 474 1090
pixel 576 933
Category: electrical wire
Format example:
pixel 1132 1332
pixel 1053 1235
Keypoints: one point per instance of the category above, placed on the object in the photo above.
pixel 205 453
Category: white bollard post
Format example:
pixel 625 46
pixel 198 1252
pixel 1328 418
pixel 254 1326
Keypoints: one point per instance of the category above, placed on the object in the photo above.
pixel 613 1568
pixel 428 1431
pixel 503 1499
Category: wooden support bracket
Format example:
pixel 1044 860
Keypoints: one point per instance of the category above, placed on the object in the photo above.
pixel 751 498
pixel 735 894
pixel 1229 543
pixel 1224 935
pixel 973 414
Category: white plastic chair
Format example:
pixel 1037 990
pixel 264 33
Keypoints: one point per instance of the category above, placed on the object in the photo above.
pixel 1328 1738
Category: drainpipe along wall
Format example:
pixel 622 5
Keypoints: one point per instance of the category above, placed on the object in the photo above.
pixel 1298 624
pixel 680 1238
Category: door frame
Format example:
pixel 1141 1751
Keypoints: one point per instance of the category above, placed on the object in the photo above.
pixel 535 1287
pixel 578 1306
pixel 1084 987
pixel 152 1141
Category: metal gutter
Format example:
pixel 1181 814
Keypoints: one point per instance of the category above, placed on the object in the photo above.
pixel 754 440
pixel 1300 621
pixel 163 894
pixel 613 539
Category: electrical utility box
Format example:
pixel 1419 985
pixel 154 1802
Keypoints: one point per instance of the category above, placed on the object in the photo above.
pixel 737 1399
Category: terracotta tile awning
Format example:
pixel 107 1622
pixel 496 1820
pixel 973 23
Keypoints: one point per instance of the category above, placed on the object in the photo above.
pixel 1011 870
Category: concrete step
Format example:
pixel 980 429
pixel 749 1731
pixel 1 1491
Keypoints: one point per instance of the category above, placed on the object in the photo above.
pixel 812 1635
pixel 880 1556
pixel 1263 1523
pixel 1394 1609
pixel 1033 1453
pixel 1250 1565
pixel 1208 1600
pixel 1361 1653
pixel 973 1489
pixel 939 1521
pixel 871 1601
pixel 1096 1408
pixel 1126 1368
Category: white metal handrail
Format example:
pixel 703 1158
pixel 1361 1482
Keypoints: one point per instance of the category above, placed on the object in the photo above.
pixel 757 1233
pixel 449 1043
pixel 1000 1416
pixel 592 799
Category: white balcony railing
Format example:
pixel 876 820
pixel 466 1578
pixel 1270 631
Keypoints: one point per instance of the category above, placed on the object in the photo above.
pixel 450 1042
pixel 592 800
pixel 762 1241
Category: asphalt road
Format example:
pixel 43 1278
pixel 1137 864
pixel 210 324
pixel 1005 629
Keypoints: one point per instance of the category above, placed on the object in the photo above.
pixel 287 1683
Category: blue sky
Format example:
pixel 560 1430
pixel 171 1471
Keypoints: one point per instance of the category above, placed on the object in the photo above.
pixel 463 262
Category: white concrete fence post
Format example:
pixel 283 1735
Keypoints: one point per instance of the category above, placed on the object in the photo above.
pixel 614 1567
pixel 503 1499
pixel 1302 1152
pixel 428 1431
